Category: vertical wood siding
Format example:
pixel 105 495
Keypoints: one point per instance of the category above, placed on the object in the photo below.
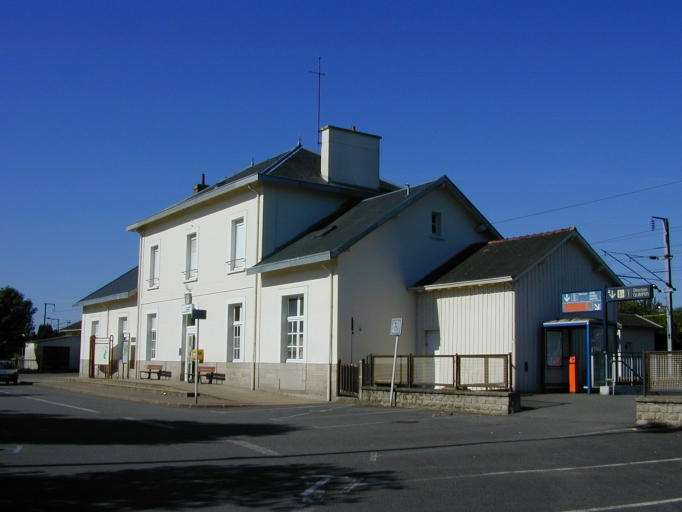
pixel 476 320
pixel 508 318
pixel 538 299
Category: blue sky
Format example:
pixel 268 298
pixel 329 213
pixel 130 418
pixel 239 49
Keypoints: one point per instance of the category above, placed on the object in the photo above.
pixel 110 111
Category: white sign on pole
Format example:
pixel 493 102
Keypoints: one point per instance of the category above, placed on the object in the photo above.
pixel 101 353
pixel 186 309
pixel 396 330
pixel 396 326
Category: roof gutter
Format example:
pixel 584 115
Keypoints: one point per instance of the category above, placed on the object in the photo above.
pixel 193 201
pixel 293 262
pixel 462 284
pixel 108 298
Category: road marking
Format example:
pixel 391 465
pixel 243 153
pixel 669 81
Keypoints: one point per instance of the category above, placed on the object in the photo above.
pixel 549 470
pixel 152 423
pixel 314 493
pixel 61 404
pixel 311 411
pixel 344 425
pixel 630 505
pixel 352 485
pixel 256 448
pixel 282 418
pixel 276 408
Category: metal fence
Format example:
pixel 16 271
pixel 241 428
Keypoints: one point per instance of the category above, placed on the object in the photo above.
pixel 663 372
pixel 348 379
pixel 624 368
pixel 476 372
pixel 24 364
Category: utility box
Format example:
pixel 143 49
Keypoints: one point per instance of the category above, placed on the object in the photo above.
pixel 572 375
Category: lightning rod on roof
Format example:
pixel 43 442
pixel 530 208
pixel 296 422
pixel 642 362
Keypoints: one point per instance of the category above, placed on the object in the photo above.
pixel 319 74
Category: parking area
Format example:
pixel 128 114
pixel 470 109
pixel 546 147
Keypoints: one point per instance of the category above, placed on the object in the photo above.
pixel 561 452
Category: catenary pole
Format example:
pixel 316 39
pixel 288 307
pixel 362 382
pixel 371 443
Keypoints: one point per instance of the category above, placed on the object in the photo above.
pixel 668 281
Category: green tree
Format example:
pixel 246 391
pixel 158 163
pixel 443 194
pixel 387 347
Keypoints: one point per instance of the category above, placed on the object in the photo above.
pixel 16 321
pixel 45 331
pixel 639 307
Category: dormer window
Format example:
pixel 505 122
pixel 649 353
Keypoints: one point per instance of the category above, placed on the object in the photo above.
pixel 436 224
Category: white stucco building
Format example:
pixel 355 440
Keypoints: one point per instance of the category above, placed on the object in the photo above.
pixel 302 260
pixel 110 314
pixel 299 261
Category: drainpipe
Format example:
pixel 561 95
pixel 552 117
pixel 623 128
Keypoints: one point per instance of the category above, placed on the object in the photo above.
pixel 331 331
pixel 257 304
pixel 140 284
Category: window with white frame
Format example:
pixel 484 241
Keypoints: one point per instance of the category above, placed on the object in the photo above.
pixel 192 257
pixel 294 327
pixel 436 224
pixel 153 266
pixel 235 331
pixel 94 328
pixel 152 341
pixel 123 329
pixel 237 254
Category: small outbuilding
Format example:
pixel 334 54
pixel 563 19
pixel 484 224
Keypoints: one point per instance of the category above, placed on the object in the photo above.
pixel 494 297
pixel 637 334
pixel 58 353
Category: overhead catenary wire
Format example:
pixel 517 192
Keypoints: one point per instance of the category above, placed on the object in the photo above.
pixel 591 201
pixel 637 274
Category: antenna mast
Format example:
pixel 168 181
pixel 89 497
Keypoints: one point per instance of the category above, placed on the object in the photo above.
pixel 319 74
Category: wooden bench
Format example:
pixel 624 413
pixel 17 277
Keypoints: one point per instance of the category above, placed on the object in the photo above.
pixel 210 374
pixel 157 370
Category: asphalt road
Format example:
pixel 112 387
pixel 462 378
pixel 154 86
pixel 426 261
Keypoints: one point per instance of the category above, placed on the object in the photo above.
pixel 61 450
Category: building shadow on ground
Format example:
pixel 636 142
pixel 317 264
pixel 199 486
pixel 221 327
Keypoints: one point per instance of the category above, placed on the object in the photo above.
pixel 41 429
pixel 275 487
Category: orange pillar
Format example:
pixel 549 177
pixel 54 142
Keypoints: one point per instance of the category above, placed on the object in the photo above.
pixel 572 381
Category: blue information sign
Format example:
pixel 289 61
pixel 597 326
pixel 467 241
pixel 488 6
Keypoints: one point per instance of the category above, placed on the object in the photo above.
pixel 577 302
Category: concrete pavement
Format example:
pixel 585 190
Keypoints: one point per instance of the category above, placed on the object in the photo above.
pixel 163 392
pixel 561 407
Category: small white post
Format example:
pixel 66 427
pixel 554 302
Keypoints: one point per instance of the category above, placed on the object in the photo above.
pixel 396 330
pixel 196 365
pixel 395 358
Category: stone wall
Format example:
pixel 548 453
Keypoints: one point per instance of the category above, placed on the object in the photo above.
pixel 492 403
pixel 659 410
pixel 298 379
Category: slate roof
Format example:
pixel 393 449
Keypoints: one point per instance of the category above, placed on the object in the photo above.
pixel 122 287
pixel 500 260
pixel 328 239
pixel 298 166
